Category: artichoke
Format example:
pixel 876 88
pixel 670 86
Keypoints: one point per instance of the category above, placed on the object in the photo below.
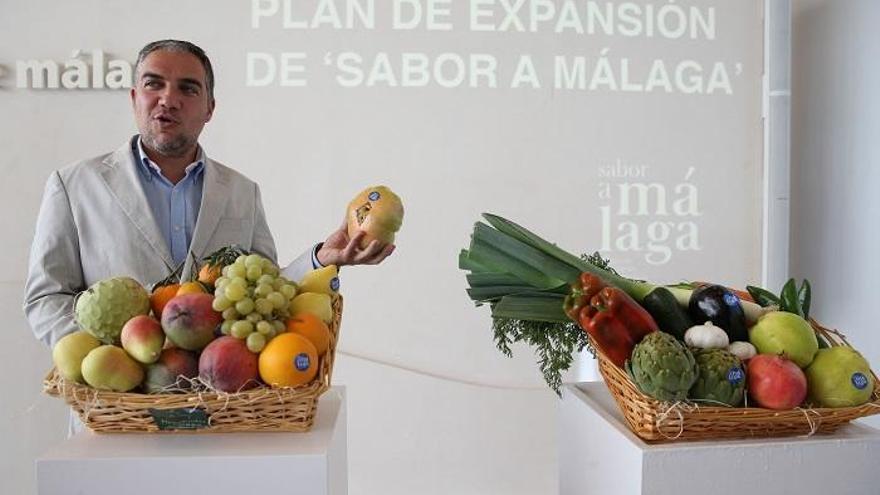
pixel 721 377
pixel 662 367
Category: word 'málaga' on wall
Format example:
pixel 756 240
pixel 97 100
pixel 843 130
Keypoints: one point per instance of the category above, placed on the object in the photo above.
pixel 596 70
pixel 648 217
pixel 83 70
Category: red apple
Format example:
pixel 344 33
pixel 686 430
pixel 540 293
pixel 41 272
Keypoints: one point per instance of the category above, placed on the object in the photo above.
pixel 189 320
pixel 775 382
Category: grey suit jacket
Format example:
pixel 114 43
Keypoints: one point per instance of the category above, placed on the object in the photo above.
pixel 95 223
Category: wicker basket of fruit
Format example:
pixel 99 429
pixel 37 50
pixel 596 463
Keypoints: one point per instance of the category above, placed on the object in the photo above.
pixel 240 349
pixel 685 362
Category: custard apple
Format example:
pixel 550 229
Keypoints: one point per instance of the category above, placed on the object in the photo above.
pixel 103 308
pixel 662 367
pixel 720 377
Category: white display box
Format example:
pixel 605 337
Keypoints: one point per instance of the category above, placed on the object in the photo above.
pixel 313 463
pixel 598 454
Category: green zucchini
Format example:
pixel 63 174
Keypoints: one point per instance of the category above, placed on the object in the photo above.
pixel 669 315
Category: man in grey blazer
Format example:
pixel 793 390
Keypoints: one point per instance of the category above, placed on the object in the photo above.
pixel 155 203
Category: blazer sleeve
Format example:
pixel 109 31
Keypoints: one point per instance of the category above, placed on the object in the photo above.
pixel 300 266
pixel 54 269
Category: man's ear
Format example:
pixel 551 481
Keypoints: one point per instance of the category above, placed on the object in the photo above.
pixel 131 92
pixel 211 107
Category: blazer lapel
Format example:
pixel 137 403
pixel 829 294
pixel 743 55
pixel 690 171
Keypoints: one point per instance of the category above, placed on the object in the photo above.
pixel 215 194
pixel 120 175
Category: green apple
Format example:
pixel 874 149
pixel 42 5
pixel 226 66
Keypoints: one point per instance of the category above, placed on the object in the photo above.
pixel 839 377
pixel 785 334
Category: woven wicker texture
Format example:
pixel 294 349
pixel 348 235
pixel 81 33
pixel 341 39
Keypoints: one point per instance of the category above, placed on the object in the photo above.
pixel 656 421
pixel 260 409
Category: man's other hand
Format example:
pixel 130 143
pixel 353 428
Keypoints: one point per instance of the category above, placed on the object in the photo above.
pixel 340 250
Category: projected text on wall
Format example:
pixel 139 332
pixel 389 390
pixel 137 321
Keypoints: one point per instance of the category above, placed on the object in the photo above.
pixel 600 69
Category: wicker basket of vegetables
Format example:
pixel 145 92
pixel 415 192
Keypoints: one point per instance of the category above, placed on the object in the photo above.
pixel 684 362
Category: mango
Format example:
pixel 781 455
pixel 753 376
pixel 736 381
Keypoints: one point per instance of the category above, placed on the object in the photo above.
pixel 226 364
pixel 143 338
pixel 314 303
pixel 189 320
pixel 69 352
pixel 109 368
pixel 172 371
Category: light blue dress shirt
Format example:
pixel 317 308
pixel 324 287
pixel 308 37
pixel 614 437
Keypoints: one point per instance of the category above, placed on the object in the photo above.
pixel 175 206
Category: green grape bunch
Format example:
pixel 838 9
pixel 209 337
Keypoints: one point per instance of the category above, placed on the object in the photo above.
pixel 254 300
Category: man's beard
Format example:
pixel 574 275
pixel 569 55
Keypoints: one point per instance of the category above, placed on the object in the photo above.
pixel 174 148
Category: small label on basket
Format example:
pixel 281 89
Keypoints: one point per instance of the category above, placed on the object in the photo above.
pixel 859 380
pixel 301 361
pixel 184 418
pixel 735 375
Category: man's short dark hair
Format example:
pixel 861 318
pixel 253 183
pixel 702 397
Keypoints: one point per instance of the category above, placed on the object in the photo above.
pixel 180 46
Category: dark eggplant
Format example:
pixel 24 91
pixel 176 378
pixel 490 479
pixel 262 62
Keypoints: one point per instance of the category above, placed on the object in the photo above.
pixel 717 304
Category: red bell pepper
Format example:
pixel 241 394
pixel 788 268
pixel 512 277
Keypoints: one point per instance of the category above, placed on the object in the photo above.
pixel 614 321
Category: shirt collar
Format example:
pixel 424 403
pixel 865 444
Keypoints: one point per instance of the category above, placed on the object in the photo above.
pixel 147 167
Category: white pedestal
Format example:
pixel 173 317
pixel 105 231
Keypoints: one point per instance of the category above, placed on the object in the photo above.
pixel 313 463
pixel 599 455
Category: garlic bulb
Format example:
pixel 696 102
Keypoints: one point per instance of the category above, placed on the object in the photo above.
pixel 706 336
pixel 742 350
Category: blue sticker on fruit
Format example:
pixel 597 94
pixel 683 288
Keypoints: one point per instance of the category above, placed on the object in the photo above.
pixel 730 298
pixel 374 196
pixel 735 375
pixel 334 284
pixel 859 380
pixel 301 361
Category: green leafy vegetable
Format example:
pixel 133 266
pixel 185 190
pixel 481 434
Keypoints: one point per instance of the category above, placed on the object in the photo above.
pixel 791 299
pixel 555 344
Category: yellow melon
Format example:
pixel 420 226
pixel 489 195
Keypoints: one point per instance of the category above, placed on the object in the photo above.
pixel 378 212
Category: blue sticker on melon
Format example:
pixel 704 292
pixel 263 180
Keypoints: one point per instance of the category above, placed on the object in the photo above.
pixel 302 361
pixel 334 284
pixel 374 196
pixel 859 381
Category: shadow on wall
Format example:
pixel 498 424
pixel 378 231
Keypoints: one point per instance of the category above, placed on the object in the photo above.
pixel 835 152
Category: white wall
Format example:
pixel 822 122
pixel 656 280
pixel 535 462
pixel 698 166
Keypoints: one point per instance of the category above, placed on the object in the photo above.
pixel 836 164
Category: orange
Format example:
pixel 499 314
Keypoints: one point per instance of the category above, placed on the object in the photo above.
pixel 209 274
pixel 190 288
pixel 288 360
pixel 160 297
pixel 312 328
